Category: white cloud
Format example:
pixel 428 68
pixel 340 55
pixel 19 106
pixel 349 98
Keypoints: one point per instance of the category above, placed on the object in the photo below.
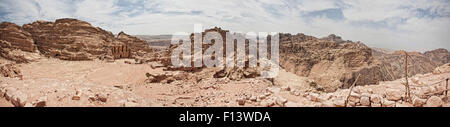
pixel 316 5
pixel 397 24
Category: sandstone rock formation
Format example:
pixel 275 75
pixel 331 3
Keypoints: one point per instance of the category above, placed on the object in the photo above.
pixel 314 72
pixel 418 63
pixel 331 62
pixel 16 44
pixel 68 39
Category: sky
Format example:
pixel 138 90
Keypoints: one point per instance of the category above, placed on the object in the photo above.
pixel 414 25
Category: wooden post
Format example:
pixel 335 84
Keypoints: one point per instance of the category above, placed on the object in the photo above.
pixel 446 87
pixel 407 94
pixel 351 88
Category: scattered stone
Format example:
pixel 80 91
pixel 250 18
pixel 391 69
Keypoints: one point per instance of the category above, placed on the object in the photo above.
pixel 327 104
pixel 264 103
pixel 41 102
pixel 28 105
pixel 295 92
pixel 339 102
pixel 102 97
pixel 434 101
pixel 365 95
pixel 326 96
pixel 387 103
pixel 253 98
pixel 357 89
pixel 404 105
pixel 365 101
pixel 286 88
pixel 417 102
pixel 9 93
pixel 424 91
pixel 314 97
pixel 375 105
pixel 281 101
pixel 127 62
pixel 2 92
pixel 19 99
pixel 375 98
pixel 273 89
pixel 393 94
pixel 370 91
pixel 268 103
pixel 76 97
pixel 92 98
pixel 446 105
pixel 262 97
pixel 132 100
pixel 130 104
pixel 241 101
pixel 10 70
pixel 291 104
pixel 355 98
pixel 156 65
pixel 119 86
pixel 351 104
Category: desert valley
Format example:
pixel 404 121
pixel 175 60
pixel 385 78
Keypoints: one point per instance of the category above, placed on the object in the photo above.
pixel 71 63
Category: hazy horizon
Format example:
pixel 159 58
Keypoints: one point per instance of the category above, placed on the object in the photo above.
pixel 414 25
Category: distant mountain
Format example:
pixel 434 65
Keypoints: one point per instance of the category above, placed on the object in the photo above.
pixel 156 40
pixel 418 63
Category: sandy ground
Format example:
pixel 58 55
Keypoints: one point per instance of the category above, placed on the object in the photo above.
pixel 60 80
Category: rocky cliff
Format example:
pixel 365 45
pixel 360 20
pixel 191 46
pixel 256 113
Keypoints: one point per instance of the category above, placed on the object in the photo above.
pixel 331 62
pixel 67 39
pixel 418 63
pixel 16 44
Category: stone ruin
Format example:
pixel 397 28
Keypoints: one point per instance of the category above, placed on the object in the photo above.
pixel 121 51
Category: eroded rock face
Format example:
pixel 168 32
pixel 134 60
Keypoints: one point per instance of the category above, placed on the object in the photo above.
pixel 70 39
pixel 419 63
pixel 15 43
pixel 233 73
pixel 17 37
pixel 331 62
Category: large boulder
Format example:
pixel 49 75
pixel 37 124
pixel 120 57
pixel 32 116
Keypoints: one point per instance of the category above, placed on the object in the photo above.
pixel 10 70
pixel 393 94
pixel 434 101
